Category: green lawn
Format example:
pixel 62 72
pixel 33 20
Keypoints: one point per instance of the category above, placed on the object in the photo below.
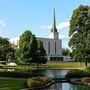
pixel 64 65
pixel 51 65
pixel 11 83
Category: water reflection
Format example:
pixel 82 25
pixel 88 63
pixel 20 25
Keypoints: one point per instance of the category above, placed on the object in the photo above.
pixel 62 86
pixel 55 73
pixel 79 87
pixel 67 86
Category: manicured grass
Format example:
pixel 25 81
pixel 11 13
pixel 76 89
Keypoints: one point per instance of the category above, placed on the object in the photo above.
pixel 50 65
pixel 64 65
pixel 11 83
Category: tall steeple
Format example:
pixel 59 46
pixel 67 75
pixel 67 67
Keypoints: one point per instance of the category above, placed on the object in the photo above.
pixel 54 34
pixel 54 29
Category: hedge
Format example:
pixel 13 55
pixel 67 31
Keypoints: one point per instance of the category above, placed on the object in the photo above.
pixel 76 73
pixel 19 74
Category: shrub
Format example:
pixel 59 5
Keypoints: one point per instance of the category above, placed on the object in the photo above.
pixel 38 81
pixel 19 74
pixel 34 83
pixel 75 73
pixel 88 69
pixel 46 79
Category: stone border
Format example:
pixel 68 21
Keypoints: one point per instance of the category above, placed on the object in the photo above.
pixel 88 84
pixel 86 81
pixel 75 81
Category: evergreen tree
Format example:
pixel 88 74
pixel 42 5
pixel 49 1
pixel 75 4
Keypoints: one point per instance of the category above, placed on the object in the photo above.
pixel 27 48
pixel 41 54
pixel 30 50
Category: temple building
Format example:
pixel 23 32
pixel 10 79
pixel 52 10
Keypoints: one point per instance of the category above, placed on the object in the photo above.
pixel 52 44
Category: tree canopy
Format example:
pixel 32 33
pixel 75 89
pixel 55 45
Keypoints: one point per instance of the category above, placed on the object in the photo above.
pixel 6 50
pixel 41 53
pixel 65 51
pixel 80 33
pixel 29 50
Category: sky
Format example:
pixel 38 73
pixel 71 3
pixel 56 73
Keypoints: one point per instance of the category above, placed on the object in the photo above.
pixel 16 16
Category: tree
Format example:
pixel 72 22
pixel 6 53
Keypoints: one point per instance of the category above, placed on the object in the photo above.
pixel 41 54
pixel 65 52
pixel 33 50
pixel 27 48
pixel 80 33
pixel 6 50
pixel 29 51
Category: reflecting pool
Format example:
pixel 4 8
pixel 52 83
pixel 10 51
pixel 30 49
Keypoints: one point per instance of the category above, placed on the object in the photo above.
pixel 62 86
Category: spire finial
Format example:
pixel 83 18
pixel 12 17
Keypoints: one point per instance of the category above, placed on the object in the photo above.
pixel 54 21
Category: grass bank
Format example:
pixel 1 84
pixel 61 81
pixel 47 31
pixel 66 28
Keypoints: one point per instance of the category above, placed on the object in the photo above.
pixel 49 65
pixel 11 83
pixel 63 65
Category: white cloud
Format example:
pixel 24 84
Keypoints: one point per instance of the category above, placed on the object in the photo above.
pixel 64 37
pixel 2 24
pixel 63 25
pixel 14 40
pixel 60 26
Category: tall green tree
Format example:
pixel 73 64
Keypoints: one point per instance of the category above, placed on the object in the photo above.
pixel 27 48
pixel 80 34
pixel 29 51
pixel 41 54
pixel 7 52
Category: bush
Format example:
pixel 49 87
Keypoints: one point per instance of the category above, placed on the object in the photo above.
pixel 75 73
pixel 38 81
pixel 34 83
pixel 88 69
pixel 19 74
pixel 46 79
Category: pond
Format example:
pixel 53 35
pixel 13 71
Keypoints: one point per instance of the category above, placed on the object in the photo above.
pixel 56 73
pixel 67 86
pixel 62 86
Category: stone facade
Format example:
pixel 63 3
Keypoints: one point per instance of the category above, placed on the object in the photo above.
pixel 53 48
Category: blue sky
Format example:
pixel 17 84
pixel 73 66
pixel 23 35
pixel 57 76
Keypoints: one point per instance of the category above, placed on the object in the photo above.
pixel 36 15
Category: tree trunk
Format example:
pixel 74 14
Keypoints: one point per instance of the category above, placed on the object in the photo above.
pixel 28 68
pixel 85 63
pixel 37 65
